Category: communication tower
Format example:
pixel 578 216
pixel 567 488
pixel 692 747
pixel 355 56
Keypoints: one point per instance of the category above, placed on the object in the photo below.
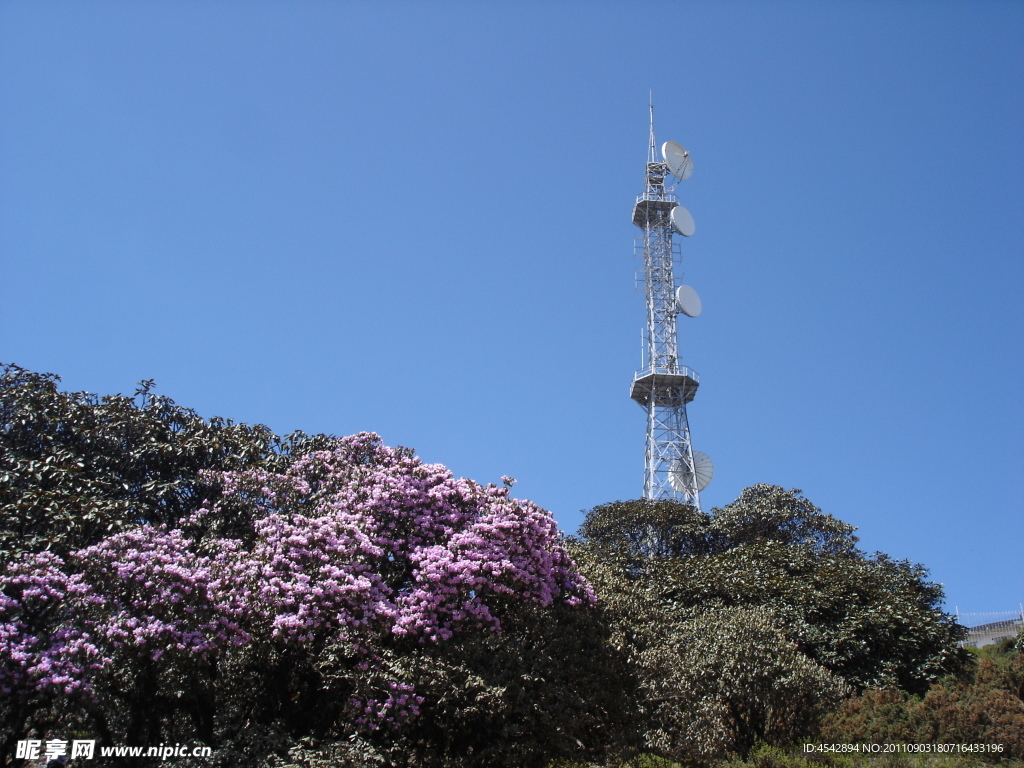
pixel 662 386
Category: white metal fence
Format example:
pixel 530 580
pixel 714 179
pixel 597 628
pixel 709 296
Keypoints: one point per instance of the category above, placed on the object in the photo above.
pixel 987 628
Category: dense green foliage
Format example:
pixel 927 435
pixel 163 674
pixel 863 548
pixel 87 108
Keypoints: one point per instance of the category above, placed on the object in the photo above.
pixel 75 467
pixel 751 622
pixel 727 679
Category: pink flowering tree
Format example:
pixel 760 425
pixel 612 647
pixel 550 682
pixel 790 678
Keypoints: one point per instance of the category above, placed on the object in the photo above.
pixel 365 567
pixel 46 655
pixel 359 594
pixel 120 639
pixel 165 616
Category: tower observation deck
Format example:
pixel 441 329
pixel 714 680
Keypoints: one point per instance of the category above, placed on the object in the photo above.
pixel 663 386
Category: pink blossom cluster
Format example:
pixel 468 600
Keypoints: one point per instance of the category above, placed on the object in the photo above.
pixel 40 650
pixel 388 543
pixel 399 705
pixel 354 549
pixel 153 594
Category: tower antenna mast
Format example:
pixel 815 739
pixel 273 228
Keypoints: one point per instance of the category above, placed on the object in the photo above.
pixel 663 387
pixel 651 156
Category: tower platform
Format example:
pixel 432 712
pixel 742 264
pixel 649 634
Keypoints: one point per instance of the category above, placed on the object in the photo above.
pixel 667 389
pixel 650 210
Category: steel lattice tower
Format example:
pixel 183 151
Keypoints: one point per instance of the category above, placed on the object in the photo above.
pixel 663 386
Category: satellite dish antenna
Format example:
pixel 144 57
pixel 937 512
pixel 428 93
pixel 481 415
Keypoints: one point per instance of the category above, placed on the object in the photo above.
pixel 678 160
pixel 682 221
pixel 703 470
pixel 688 301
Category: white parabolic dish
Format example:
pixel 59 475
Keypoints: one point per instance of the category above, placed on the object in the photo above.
pixel 703 468
pixel 688 301
pixel 679 475
pixel 678 160
pixel 682 221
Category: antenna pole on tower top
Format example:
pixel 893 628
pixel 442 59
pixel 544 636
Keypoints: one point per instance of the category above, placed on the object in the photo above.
pixel 651 157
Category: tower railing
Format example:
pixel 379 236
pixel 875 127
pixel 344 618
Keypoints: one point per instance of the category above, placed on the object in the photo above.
pixel 657 193
pixel 681 370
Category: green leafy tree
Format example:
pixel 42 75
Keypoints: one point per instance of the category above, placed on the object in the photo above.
pixel 770 513
pixel 850 620
pixel 874 621
pixel 549 686
pixel 75 467
pixel 727 679
pixel 710 680
pixel 646 531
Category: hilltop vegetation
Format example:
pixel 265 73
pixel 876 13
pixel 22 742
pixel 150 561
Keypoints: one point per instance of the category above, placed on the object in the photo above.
pixel 313 600
pixel 748 624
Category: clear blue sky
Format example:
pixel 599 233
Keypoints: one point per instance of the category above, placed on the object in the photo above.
pixel 414 218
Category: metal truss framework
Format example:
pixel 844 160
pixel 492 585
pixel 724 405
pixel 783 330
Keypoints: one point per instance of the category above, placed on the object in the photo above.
pixel 662 386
